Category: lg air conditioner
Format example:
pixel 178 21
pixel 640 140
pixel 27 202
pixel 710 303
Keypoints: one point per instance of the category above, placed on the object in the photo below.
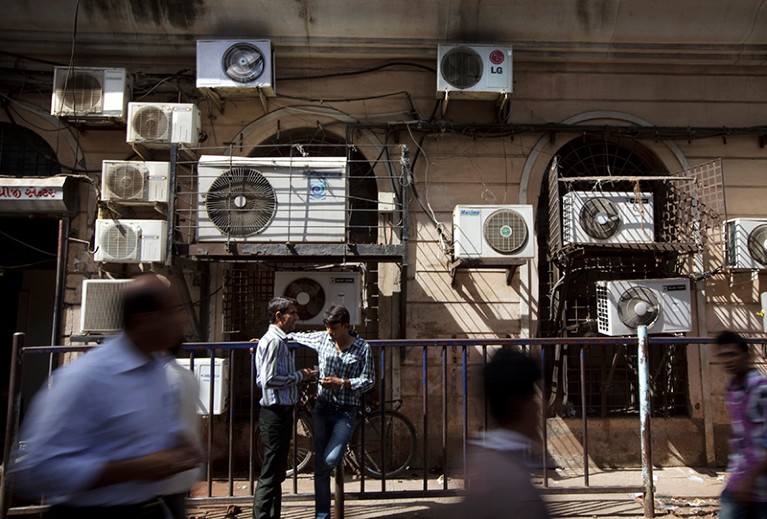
pixel 498 234
pixel 314 292
pixel 746 240
pixel 135 181
pixel 90 93
pixel 131 241
pixel 663 305
pixel 474 71
pixel 101 307
pixel 236 67
pixel 158 125
pixel 607 217
pixel 278 200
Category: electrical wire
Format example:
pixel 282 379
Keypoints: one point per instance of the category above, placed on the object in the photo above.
pixel 28 245
pixel 361 71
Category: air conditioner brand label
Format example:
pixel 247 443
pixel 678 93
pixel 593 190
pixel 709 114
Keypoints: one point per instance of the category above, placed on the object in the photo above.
pixel 329 173
pixel 635 200
pixel 181 109
pixel 318 188
pixel 674 288
pixel 505 231
pixel 342 280
pixel 469 212
pixel 150 237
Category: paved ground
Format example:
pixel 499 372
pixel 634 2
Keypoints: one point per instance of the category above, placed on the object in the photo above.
pixel 680 492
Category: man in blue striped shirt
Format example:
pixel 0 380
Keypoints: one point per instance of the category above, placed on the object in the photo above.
pixel 278 379
pixel 346 371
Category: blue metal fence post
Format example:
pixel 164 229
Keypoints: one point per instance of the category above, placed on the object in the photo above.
pixel 644 420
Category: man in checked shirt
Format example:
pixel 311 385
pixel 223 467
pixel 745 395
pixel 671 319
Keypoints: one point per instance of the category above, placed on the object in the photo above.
pixel 346 371
pixel 278 379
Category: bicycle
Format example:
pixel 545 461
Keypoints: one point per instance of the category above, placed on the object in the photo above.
pixel 379 435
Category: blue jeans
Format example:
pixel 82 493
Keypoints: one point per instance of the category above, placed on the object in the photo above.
pixel 732 509
pixel 333 428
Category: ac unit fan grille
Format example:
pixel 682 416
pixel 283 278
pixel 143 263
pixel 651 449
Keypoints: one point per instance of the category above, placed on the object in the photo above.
pixel 125 181
pixel 461 67
pixel 241 202
pixel 505 231
pixel 151 123
pixel 757 244
pixel 599 218
pixel 243 63
pixel 638 305
pixel 309 296
pixel 119 241
pixel 81 92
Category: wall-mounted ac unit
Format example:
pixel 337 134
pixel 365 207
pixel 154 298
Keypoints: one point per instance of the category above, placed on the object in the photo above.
pixel 500 234
pixel 663 305
pixel 202 370
pixel 158 125
pixel 90 93
pixel 592 217
pixel 281 200
pixel 474 71
pixel 236 66
pixel 131 241
pixel 746 240
pixel 101 310
pixel 316 291
pixel 134 181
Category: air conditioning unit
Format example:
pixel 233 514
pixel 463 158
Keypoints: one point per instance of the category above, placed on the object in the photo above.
pixel 281 200
pixel 102 305
pixel 316 291
pixel 746 240
pixel 500 234
pixel 592 217
pixel 236 66
pixel 131 241
pixel 474 71
pixel 663 305
pixel 135 181
pixel 158 125
pixel 202 369
pixel 90 93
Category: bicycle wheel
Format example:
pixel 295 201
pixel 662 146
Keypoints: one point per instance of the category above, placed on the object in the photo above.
pixel 393 456
pixel 303 447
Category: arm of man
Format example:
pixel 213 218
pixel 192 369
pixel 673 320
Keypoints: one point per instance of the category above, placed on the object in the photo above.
pixel 366 379
pixel 311 340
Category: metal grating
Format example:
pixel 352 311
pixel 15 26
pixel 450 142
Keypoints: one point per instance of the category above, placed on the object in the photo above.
pixel 247 291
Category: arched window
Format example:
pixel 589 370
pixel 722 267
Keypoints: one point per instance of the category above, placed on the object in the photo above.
pixel 23 153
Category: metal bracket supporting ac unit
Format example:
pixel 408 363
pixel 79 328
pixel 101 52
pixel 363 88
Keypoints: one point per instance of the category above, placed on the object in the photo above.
pixel 463 264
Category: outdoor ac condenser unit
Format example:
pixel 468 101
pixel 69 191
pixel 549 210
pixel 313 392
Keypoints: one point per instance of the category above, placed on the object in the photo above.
pixel 474 71
pixel 498 234
pixel 746 240
pixel 279 200
pixel 90 93
pixel 131 241
pixel 663 305
pixel 236 67
pixel 135 181
pixel 202 372
pixel 158 125
pixel 101 307
pixel 314 292
pixel 595 217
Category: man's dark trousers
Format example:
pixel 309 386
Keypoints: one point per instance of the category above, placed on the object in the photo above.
pixel 276 423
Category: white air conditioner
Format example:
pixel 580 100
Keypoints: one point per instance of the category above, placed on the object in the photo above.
pixel 90 93
pixel 236 66
pixel 500 234
pixel 592 217
pixel 474 71
pixel 277 200
pixel 102 303
pixel 202 368
pixel 162 124
pixel 135 181
pixel 131 241
pixel 316 291
pixel 663 305
pixel 746 240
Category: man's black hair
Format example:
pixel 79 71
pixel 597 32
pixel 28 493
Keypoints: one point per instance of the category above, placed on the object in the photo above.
pixel 336 314
pixel 279 304
pixel 510 375
pixel 730 337
pixel 142 300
